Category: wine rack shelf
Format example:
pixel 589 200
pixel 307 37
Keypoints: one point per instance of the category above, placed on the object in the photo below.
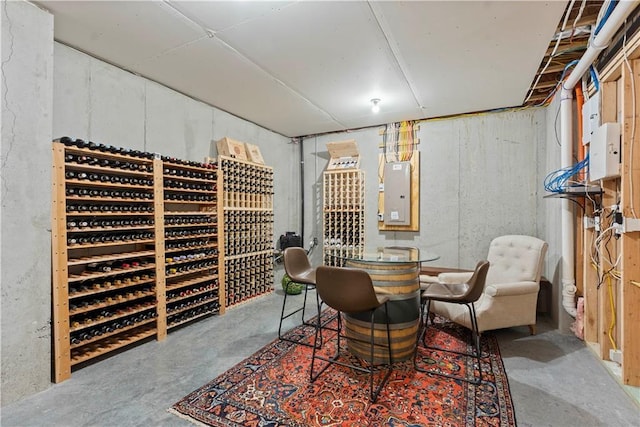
pixel 121 338
pixel 247 239
pixel 117 279
pixel 343 215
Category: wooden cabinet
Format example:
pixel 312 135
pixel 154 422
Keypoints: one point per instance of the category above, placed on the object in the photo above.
pixel 247 218
pixel 343 214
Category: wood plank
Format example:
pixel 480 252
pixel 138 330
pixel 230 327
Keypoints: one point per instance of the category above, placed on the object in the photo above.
pixel 630 241
pixel 221 234
pixel 606 315
pixel 60 291
pixel 161 283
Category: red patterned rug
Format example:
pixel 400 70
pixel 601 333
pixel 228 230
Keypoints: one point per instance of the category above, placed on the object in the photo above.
pixel 272 388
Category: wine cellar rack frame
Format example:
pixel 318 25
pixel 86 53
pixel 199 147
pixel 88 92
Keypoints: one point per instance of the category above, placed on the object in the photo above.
pixel 247 218
pixel 110 259
pixel 343 215
pixel 190 246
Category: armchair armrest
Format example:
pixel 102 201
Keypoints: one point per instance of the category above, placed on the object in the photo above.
pixel 455 278
pixel 515 288
pixel 425 278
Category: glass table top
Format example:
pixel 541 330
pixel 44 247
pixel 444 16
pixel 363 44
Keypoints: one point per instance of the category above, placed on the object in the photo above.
pixel 391 254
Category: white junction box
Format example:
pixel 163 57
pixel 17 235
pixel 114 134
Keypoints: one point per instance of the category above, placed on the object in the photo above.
pixel 397 193
pixel 604 152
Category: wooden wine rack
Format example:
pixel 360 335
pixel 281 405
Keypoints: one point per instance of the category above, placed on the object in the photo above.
pixel 343 215
pixel 247 217
pixel 111 256
pixel 192 281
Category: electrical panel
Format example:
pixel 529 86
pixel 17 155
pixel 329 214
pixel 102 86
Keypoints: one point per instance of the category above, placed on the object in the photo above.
pixel 397 193
pixel 604 152
pixel 590 117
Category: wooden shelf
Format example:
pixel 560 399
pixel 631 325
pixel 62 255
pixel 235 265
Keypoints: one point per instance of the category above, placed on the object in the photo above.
pixel 185 273
pixel 110 257
pixel 149 306
pixel 188 213
pixel 93 307
pixel 191 307
pixel 188 202
pixel 208 245
pixel 191 236
pixel 185 190
pixel 249 199
pixel 191 319
pixel 180 285
pixel 84 294
pixel 107 155
pixel 122 342
pixel 343 214
pixel 206 291
pixel 103 214
pixel 99 275
pixel 100 184
pixel 107 229
pixel 109 199
pixel 186 261
pixel 106 169
pixel 198 224
pixel 103 245
pixel 91 292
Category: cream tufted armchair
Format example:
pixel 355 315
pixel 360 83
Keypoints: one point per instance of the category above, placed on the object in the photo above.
pixel 511 289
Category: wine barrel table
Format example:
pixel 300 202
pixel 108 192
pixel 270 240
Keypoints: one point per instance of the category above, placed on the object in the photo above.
pixel 395 272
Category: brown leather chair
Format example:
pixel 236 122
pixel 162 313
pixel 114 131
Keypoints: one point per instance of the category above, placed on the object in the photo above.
pixel 299 270
pixel 466 294
pixel 349 290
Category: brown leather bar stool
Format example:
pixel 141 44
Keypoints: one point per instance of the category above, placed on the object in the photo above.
pixel 466 294
pixel 350 290
pixel 299 270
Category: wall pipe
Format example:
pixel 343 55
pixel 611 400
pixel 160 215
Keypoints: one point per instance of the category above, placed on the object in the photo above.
pixel 301 192
pixel 596 45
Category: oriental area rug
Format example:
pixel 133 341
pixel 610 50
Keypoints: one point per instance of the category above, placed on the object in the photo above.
pixel 272 388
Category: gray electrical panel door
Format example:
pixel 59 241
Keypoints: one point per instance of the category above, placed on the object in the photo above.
pixel 397 193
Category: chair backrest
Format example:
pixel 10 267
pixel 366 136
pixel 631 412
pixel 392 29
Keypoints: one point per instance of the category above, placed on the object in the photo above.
pixel 297 265
pixel 476 283
pixel 346 289
pixel 515 258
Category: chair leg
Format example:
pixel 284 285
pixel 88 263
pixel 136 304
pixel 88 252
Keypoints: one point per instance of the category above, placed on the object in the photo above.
pixel 302 309
pixel 373 394
pixel 476 345
pixel 331 360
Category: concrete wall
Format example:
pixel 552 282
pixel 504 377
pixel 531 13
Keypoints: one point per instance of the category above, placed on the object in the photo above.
pixel 27 91
pixel 97 101
pixel 52 91
pixel 479 179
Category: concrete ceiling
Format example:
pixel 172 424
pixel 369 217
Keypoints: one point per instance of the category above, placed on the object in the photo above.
pixel 307 67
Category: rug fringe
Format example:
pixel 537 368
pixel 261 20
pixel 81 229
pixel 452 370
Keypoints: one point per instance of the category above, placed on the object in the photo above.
pixel 187 417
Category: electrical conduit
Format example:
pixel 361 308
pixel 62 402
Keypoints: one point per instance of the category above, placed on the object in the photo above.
pixel 597 44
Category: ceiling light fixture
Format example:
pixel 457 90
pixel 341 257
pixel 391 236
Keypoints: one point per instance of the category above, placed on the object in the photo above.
pixel 375 107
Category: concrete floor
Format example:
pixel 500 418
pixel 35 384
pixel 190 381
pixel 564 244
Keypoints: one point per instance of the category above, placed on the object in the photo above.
pixel 555 379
